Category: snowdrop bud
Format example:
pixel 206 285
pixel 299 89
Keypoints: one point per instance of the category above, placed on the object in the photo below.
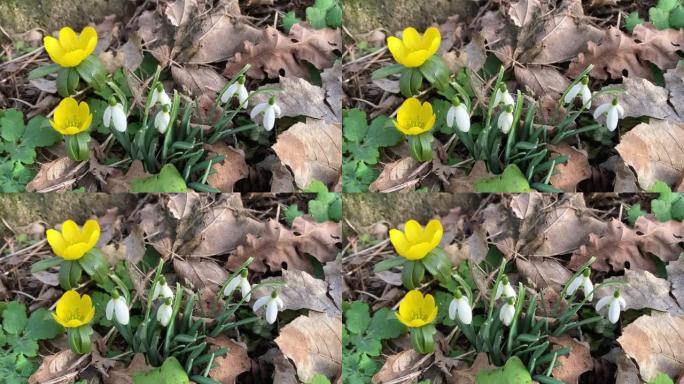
pixel 273 304
pixel 458 114
pixel 159 96
pixel 581 89
pixel 506 120
pixel 583 281
pixel 461 307
pixel 117 309
pixel 504 288
pixel 613 112
pixel 507 312
pixel 615 304
pixel 238 88
pixel 165 312
pixel 162 120
pixel 115 115
pixel 241 280
pixel 502 95
pixel 271 110
pixel 162 289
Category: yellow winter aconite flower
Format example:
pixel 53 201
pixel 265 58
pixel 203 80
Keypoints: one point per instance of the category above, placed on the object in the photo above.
pixel 71 49
pixel 73 242
pixel 416 242
pixel 416 311
pixel 414 49
pixel 414 118
pixel 74 310
pixel 71 118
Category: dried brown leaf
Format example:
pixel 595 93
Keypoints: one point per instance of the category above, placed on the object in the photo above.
pixel 573 365
pixel 641 289
pixel 59 174
pixel 302 291
pixel 231 170
pixel 228 367
pixel 394 174
pixel 398 365
pixel 574 171
pixel 298 97
pixel 200 273
pixel 639 97
pixel 542 273
pixel 63 364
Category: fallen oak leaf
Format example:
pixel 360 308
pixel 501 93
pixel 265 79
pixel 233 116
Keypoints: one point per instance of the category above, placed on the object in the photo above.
pixel 573 365
pixel 571 173
pixel 641 289
pixel 404 363
pixel 640 97
pixel 675 274
pixel 395 174
pixel 200 273
pixel 231 170
pixel 64 364
pixel 55 174
pixel 228 367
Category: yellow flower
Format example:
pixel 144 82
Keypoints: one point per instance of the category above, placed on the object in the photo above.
pixel 416 311
pixel 71 118
pixel 74 310
pixel 71 49
pixel 73 242
pixel 412 50
pixel 414 118
pixel 416 242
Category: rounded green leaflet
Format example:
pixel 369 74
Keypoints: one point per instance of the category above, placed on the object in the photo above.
pixel 513 372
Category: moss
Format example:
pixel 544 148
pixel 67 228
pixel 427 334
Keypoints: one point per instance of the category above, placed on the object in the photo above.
pixel 362 16
pixel 50 15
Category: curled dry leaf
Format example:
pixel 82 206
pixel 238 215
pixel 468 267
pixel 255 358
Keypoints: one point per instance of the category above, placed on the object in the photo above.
pixel 639 97
pixel 63 364
pixel 656 343
pixel 231 170
pixel 675 274
pixel 57 175
pixel 625 180
pixel 284 372
pixel 314 344
pixel 627 372
pixel 124 375
pixel 541 80
pixel 274 53
pixel 395 174
pixel 302 291
pixel 400 365
pixel 312 150
pixel 464 184
pixel 542 273
pixel 131 248
pixel 228 367
pixel 674 82
pixel 277 247
pixel 119 183
pixel 573 365
pixel 641 289
pixel 200 273
pixel 197 80
pixel 574 171
pixel 655 150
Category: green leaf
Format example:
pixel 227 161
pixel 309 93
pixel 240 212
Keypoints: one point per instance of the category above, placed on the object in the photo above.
pixel 367 345
pixel 11 125
pixel 14 318
pixel 39 133
pixel 97 108
pixel 43 71
pixel 363 152
pixel 677 210
pixel 667 5
pixel 634 212
pixel 334 17
pixel 514 372
pixel 382 133
pixel 677 17
pixel 659 18
pixel 661 378
pixel 22 153
pixel 95 265
pixel 291 213
pixel 171 372
pixel 384 325
pixel 319 379
pixel 169 180
pixel 25 346
pixel 357 317
pixel 92 71
pixel 289 20
pixel 42 326
pixel 316 17
pixel 355 125
pixel 511 180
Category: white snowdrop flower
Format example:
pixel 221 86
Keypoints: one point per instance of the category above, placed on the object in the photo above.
pixel 615 304
pixel 114 115
pixel 270 109
pixel 502 95
pixel 507 312
pixel 584 281
pixel 506 120
pixel 273 304
pixel 582 89
pixel 159 96
pixel 117 309
pixel 504 288
pixel 165 312
pixel 461 307
pixel 241 280
pixel 162 120
pixel 162 289
pixel 458 114
pixel 613 112
pixel 237 88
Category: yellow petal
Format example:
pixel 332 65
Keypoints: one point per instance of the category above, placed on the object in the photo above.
pixel 76 251
pixel 398 240
pixel 408 111
pixel 411 38
pixel 88 40
pixel 65 111
pixel 432 40
pixel 68 38
pixel 418 251
pixel 396 48
pixel 413 230
pixel 86 309
pixel 434 232
pixel 56 241
pixel 69 300
pixel 430 123
pixel 71 232
pixel 91 232
pixel 410 303
pixel 53 48
pixel 416 58
pixel 73 58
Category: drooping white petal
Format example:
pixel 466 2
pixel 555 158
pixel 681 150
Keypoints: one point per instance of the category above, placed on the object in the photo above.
pixel 603 108
pixel 620 110
pixel 121 311
pixel 586 96
pixel 499 291
pixel 245 288
pixel 497 98
pixel 161 121
pixel 508 99
pixel 602 302
pixel 109 311
pixel 574 284
pixel 119 118
pixel 508 291
pixel 232 284
pixel 280 303
pixel 155 291
pixel 505 122
pixel 269 118
pixel 277 110
pixel 570 96
pixel 588 288
pixel 257 110
pixel 164 99
pixel 462 118
pixel 451 117
pixel 155 97
pixel 506 314
pixel 243 95
pixel 164 314
pixel 107 117
pixel 271 311
pixel 614 311
pixel 453 309
pixel 166 292
pixel 465 313
pixel 623 303
pixel 229 93
pixel 612 118
pixel 260 302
